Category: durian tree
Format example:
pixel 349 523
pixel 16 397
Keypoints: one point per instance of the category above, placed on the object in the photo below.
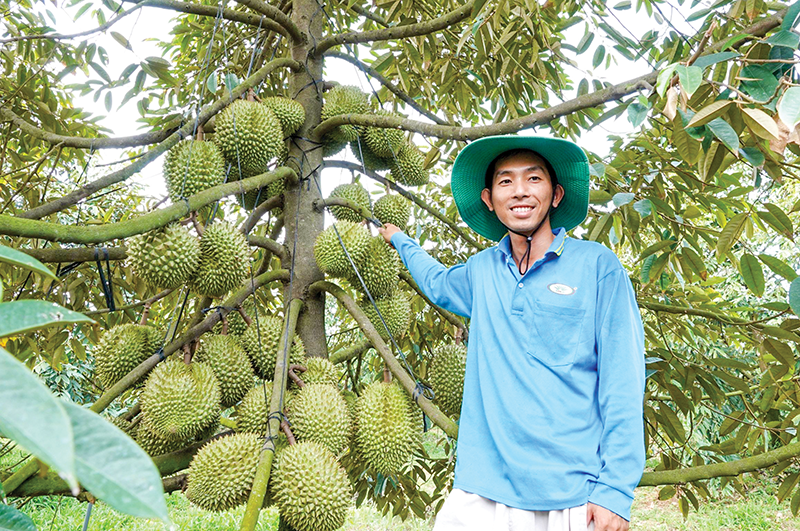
pixel 238 326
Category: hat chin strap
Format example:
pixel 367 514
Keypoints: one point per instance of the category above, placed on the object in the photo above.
pixel 528 239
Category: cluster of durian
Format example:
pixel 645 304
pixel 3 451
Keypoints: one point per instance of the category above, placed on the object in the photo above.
pixel 171 256
pixel 377 148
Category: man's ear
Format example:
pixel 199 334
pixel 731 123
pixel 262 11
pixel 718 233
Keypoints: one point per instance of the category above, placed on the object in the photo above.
pixel 558 195
pixel 486 197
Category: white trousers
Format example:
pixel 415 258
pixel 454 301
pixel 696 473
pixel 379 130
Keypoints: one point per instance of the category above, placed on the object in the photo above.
pixel 463 511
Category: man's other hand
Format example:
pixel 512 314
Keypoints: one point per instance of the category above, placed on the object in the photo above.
pixel 387 231
pixel 605 520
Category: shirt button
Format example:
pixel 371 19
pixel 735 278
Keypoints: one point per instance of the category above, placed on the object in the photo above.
pixel 520 284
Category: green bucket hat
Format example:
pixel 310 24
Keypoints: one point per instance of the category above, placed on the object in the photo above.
pixel 469 176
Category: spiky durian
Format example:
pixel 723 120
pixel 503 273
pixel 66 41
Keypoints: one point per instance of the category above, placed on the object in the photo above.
pixel 166 257
pixel 369 159
pixel 394 209
pixel 344 99
pixel 153 443
pixel 181 400
pixel 355 193
pixel 319 413
pixel 192 166
pixel 261 341
pixel 230 365
pixel 125 425
pixel 320 501
pixel 248 134
pixel 332 145
pixel 385 433
pixel 319 370
pixel 236 323
pixel 328 251
pixel 396 312
pixel 221 473
pixel 290 113
pixel 380 269
pixel 122 349
pixel 252 414
pixel 409 166
pixel 384 142
pixel 446 375
pixel 223 260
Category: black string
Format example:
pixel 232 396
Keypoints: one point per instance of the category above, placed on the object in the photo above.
pixel 105 282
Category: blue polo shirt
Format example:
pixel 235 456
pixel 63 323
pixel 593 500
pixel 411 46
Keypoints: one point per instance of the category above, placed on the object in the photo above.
pixel 552 411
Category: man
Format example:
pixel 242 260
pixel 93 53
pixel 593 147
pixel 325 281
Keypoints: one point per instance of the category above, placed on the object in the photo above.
pixel 551 430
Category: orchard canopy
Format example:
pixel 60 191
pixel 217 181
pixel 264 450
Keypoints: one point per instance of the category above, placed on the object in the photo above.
pixel 699 199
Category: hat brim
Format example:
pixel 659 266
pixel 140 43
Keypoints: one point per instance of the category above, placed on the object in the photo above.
pixel 469 172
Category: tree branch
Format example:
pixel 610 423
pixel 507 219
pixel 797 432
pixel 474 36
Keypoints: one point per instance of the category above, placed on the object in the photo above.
pixel 397 32
pixel 74 254
pixel 386 83
pixel 72 198
pixel 366 13
pixel 321 204
pixel 685 310
pixel 259 211
pixel 460 231
pixel 30 228
pixel 278 249
pixel 147 302
pixel 288 27
pixel 350 352
pixel 211 11
pixel 449 317
pixel 439 418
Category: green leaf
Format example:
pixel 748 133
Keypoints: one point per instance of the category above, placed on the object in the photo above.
pixel 211 83
pixel 26 315
pixel 758 82
pixel 120 38
pixel 708 113
pixel 789 107
pixel 599 197
pixel 794 296
pixel 114 468
pixel 778 266
pixel 644 207
pixel 779 350
pixel 779 220
pixel 585 42
pixel 780 333
pixel 795 503
pixel 787 39
pixel 664 78
pixel 790 18
pixel 725 133
pixel 100 71
pixel 666 493
pixel 730 233
pixel 599 55
pixel 714 58
pixel 231 81
pixel 20 259
pixel 623 198
pixel 637 113
pixel 14 520
pixel 674 426
pixel 690 78
pixel 787 485
pixel 652 249
pixel 753 155
pixel 753 275
pixel 691 260
pixel 34 418
pixel 761 123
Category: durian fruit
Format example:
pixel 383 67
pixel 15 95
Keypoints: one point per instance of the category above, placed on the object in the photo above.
pixel 396 311
pixel 344 99
pixel 394 209
pixel 446 376
pixel 230 364
pixel 352 192
pixel 310 488
pixel 328 251
pixel 125 425
pixel 385 433
pixel 283 525
pixel 319 413
pixel 409 166
pixel 319 370
pixel 179 400
pixel 380 270
pixel 122 349
pixel 165 258
pixel 290 113
pixel 253 198
pixel 369 159
pixel 252 414
pixel 331 146
pixel 222 472
pixel 248 134
pixel 385 143
pixel 261 341
pixel 236 324
pixel 154 444
pixel 223 260
pixel 192 166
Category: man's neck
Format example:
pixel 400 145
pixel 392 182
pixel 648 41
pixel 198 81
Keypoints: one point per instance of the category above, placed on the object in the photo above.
pixel 539 244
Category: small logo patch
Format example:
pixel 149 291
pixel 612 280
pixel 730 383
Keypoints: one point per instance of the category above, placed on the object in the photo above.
pixel 561 289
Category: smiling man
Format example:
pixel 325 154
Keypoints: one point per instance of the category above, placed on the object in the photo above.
pixel 551 430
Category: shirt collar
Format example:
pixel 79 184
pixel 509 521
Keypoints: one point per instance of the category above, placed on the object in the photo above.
pixel 556 248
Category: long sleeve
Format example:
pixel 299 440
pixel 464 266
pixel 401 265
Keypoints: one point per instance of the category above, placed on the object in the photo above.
pixel 620 366
pixel 450 288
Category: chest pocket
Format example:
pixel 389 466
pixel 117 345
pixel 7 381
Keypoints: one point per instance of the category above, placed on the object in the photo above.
pixel 555 334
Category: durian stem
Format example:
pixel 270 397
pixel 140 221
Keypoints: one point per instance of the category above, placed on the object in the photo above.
pixel 245 317
pixel 224 325
pixel 408 383
pixel 197 227
pixel 387 375
pixel 450 317
pixel 320 205
pixel 288 432
pixel 295 378
pixel 187 354
pixel 350 352
pixel 145 314
pixel 200 136
pixel 261 480
pixel 273 235
pixel 228 423
pixel 137 407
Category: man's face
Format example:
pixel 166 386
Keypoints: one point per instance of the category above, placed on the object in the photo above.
pixel 521 192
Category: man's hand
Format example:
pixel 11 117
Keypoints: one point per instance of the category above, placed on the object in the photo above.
pixel 605 520
pixel 387 231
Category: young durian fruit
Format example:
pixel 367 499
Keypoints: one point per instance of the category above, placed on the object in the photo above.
pixel 355 193
pixel 230 364
pixel 386 432
pixel 290 113
pixel 409 166
pixel 328 252
pixel 181 400
pixel 343 99
pixel 249 135
pixel 192 166
pixel 222 472
pixel 223 260
pixel 261 341
pixel 396 312
pixel 317 503
pixel 446 375
pixel 380 270
pixel 319 370
pixel 384 142
pixel 394 209
pixel 370 160
pixel 155 445
pixel 165 258
pixel 122 349
pixel 319 413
